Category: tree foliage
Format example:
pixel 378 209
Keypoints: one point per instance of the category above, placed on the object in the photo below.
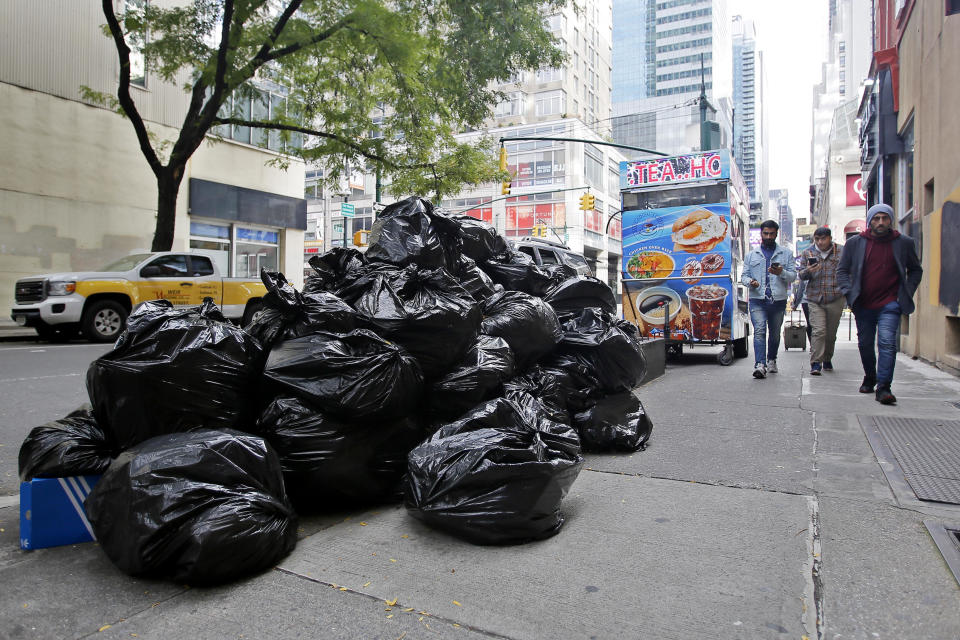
pixel 370 83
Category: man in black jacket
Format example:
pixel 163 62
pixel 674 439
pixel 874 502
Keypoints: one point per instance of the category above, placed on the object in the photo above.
pixel 879 272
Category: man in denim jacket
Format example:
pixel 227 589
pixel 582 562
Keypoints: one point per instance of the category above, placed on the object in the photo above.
pixel 768 271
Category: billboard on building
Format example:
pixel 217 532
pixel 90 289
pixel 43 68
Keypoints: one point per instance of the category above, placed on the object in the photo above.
pixel 856 195
pixel 708 165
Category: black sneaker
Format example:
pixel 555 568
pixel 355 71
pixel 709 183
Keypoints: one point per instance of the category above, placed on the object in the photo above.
pixel 828 366
pixel 814 368
pixel 867 386
pixel 885 396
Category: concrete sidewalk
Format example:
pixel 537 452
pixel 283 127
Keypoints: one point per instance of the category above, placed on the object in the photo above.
pixel 759 511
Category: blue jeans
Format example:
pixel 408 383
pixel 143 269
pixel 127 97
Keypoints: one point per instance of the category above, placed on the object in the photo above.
pixel 881 326
pixel 767 318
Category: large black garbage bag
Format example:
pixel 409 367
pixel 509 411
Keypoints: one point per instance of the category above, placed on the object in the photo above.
pixel 173 370
pixel 328 462
pixel 527 323
pixel 496 476
pixel 516 271
pixel 203 507
pixel 353 376
pixel 579 292
pixel 428 313
pixel 544 385
pixel 578 383
pixel 71 446
pixel 480 376
pixel 332 269
pixel 288 314
pixel 477 283
pixel 480 239
pixel 607 346
pixel 617 422
pixel 411 232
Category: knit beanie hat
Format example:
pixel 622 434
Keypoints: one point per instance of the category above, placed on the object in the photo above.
pixel 879 208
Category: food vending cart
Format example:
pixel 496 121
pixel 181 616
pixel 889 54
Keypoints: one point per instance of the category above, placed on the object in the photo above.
pixel 685 227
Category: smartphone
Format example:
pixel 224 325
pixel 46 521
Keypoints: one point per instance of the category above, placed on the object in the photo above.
pixel 774 264
pixel 812 261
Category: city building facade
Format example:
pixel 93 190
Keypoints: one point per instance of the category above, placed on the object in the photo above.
pixel 75 190
pixel 664 52
pixel 750 136
pixel 783 214
pixel 909 134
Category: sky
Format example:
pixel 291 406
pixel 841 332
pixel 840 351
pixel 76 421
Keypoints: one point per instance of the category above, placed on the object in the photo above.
pixel 793 37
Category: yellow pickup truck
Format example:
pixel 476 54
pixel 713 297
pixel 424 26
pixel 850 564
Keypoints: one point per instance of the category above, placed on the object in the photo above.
pixel 98 302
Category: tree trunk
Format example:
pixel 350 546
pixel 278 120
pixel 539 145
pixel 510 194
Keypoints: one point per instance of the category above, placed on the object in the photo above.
pixel 168 187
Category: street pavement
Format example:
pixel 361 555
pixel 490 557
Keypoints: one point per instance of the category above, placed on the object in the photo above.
pixel 758 511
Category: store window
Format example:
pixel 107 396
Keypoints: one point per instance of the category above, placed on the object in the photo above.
pixel 214 240
pixel 255 249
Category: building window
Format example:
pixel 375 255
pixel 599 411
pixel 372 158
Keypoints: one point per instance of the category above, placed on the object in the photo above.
pixel 550 103
pixel 550 74
pixel 593 165
pixel 136 42
pixel 214 240
pixel 511 106
pixel 255 249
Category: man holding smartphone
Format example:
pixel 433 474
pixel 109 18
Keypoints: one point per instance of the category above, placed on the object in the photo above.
pixel 767 270
pixel 823 297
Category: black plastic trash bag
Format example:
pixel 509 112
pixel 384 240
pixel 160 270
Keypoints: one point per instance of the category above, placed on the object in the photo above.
pixel 517 271
pixel 204 507
pixel 544 385
pixel 579 292
pixel 332 269
pixel 428 313
pixel 496 476
pixel 528 324
pixel 353 376
pixel 71 446
pixel 288 314
pixel 607 346
pixel 410 232
pixel 173 370
pixel 578 383
pixel 480 239
pixel 329 463
pixel 617 422
pixel 480 376
pixel 477 283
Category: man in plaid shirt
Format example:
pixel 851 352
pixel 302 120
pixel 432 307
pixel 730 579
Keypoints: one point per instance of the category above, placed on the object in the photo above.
pixel 822 293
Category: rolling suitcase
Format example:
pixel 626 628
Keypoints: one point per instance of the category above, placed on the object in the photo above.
pixel 794 334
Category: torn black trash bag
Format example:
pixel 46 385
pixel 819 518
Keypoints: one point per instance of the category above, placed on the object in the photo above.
pixel 479 376
pixel 173 370
pixel 607 346
pixel 579 292
pixel 617 422
pixel 353 376
pixel 408 232
pixel 496 476
pixel 204 507
pixel 329 463
pixel 527 323
pixel 71 446
pixel 288 313
pixel 428 313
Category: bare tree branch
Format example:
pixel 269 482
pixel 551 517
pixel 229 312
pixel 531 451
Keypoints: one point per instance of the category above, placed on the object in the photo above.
pixel 123 90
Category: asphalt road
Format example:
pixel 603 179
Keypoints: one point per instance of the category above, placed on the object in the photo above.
pixel 38 383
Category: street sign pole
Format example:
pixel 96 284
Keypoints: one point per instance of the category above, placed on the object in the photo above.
pixel 347 210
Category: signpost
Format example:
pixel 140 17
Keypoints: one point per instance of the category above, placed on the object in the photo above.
pixel 347 209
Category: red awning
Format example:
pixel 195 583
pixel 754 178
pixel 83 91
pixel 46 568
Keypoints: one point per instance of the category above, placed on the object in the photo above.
pixel 855 226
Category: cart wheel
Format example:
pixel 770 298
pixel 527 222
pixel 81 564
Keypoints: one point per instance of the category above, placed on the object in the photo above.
pixel 674 351
pixel 741 348
pixel 725 357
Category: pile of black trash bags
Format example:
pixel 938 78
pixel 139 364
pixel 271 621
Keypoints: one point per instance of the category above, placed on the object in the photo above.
pixel 441 368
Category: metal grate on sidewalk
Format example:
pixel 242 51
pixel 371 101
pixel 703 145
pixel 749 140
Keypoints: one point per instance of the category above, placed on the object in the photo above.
pixel 928 452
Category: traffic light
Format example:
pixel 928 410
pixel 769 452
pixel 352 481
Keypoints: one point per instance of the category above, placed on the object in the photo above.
pixel 505 185
pixel 587 202
pixel 539 230
pixel 360 237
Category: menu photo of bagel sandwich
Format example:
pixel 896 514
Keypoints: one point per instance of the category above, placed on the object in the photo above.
pixel 698 231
